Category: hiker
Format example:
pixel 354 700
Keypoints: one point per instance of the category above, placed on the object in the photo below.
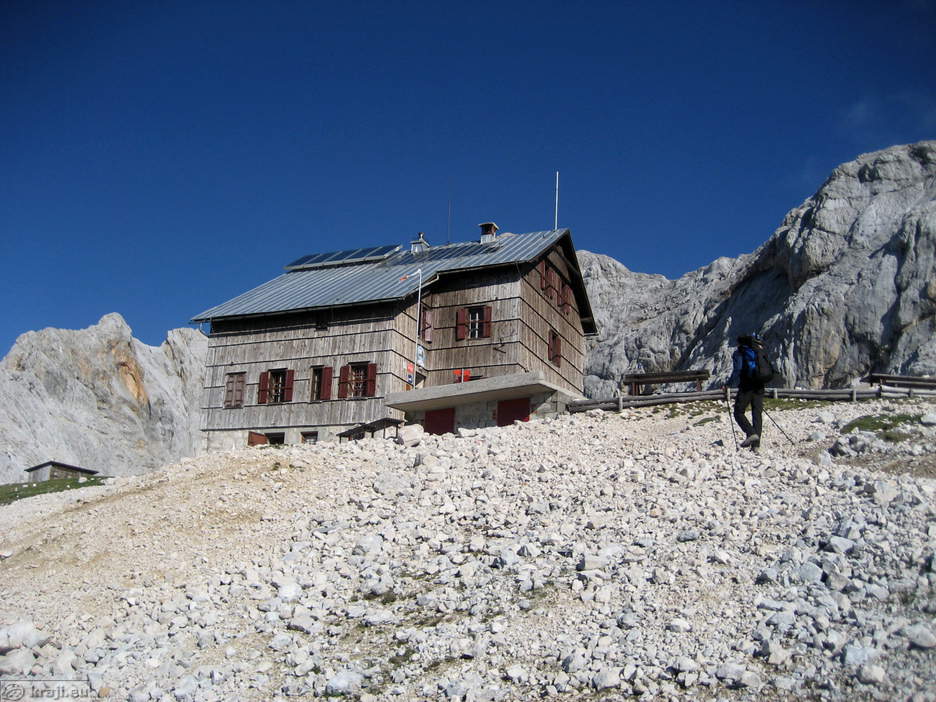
pixel 750 382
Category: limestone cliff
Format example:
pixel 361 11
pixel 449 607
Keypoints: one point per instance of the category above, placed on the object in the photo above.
pixel 99 399
pixel 845 285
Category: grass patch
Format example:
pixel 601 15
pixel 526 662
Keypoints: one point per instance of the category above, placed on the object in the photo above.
pixel 881 423
pixel 386 598
pixel 693 409
pixel 402 658
pixel 792 403
pixel 18 491
pixel 706 420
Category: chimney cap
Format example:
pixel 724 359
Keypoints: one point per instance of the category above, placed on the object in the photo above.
pixel 419 244
pixel 488 226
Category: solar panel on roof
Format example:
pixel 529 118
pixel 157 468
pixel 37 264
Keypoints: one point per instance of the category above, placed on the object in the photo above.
pixel 333 258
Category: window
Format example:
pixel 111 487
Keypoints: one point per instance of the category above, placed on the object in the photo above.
pixel 554 287
pixel 473 322
pixel 320 379
pixel 276 438
pixel 275 386
pixel 555 348
pixel 310 437
pixel 234 390
pixel 357 380
pixel 425 323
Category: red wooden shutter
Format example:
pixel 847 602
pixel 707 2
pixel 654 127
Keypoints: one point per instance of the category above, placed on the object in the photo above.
pixel 264 388
pixel 557 350
pixel 461 323
pixel 542 271
pixel 326 383
pixel 288 389
pixel 371 380
pixel 343 374
pixel 486 325
pixel 566 298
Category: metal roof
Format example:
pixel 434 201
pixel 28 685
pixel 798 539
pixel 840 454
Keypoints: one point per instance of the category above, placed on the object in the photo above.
pixel 373 281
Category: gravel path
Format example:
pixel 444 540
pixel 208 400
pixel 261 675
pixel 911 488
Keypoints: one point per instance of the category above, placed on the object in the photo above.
pixel 598 555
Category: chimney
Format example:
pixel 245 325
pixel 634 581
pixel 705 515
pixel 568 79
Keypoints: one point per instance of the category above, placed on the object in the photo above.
pixel 488 232
pixel 419 244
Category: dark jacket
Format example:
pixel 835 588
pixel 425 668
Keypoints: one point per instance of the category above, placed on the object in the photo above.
pixel 737 378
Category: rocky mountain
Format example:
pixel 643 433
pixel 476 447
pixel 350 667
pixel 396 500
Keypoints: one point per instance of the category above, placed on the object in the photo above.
pixel 99 399
pixel 843 287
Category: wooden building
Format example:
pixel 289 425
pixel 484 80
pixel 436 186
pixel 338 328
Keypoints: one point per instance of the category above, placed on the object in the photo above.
pixel 467 334
pixel 56 470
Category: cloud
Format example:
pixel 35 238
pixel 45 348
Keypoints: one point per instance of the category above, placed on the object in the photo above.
pixel 889 119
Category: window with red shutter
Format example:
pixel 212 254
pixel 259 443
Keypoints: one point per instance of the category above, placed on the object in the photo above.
pixel 320 380
pixel 475 322
pixel 263 388
pixel 541 267
pixel 276 385
pixel 357 380
pixel 566 297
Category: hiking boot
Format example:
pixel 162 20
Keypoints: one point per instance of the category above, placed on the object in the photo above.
pixel 752 440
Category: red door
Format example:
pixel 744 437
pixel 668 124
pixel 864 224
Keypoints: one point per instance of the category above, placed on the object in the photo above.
pixel 510 410
pixel 440 421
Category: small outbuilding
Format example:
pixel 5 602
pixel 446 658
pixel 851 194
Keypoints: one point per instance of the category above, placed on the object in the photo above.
pixel 56 470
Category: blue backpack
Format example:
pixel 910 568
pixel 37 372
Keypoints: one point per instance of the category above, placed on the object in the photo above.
pixel 756 366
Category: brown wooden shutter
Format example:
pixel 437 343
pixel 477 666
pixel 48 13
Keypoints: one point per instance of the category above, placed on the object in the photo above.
pixel 542 271
pixel 566 298
pixel 255 438
pixel 343 375
pixel 239 381
pixel 461 323
pixel 326 383
pixel 486 325
pixel 264 388
pixel 288 389
pixel 371 389
pixel 427 325
pixel 555 348
pixel 229 391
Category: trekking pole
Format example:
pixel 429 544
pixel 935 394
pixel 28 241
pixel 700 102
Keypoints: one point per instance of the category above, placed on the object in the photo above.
pixel 780 428
pixel 730 424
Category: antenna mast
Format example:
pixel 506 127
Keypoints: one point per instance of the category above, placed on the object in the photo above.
pixel 556 211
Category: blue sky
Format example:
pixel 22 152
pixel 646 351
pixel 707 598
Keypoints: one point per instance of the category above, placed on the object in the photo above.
pixel 159 158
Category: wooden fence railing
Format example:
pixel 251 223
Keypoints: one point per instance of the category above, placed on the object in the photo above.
pixel 845 394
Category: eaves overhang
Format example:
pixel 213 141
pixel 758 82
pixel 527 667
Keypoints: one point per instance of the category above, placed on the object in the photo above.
pixel 501 387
